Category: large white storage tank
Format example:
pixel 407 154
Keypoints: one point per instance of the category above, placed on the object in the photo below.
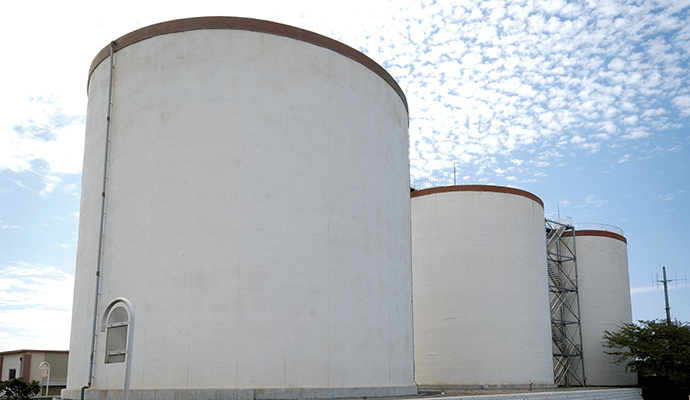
pixel 481 298
pixel 257 216
pixel 604 291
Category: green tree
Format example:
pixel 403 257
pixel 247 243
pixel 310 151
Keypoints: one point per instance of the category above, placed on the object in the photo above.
pixel 658 350
pixel 654 348
pixel 18 389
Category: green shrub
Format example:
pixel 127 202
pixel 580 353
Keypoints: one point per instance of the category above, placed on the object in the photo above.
pixel 18 389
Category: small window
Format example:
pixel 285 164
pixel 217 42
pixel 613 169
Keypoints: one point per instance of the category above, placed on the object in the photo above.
pixel 116 335
pixel 13 373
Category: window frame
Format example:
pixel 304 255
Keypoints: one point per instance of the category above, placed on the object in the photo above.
pixel 113 356
pixel 118 355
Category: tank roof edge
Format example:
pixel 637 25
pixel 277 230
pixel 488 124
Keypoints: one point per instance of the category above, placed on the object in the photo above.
pixel 592 232
pixel 249 24
pixel 478 188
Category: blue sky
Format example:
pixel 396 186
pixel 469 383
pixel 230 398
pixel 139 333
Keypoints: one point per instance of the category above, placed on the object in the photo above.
pixel 585 104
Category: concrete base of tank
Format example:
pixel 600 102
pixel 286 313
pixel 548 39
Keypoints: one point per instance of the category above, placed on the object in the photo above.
pixel 244 394
pixel 423 388
pixel 478 392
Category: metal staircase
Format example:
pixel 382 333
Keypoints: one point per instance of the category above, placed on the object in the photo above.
pixel 566 332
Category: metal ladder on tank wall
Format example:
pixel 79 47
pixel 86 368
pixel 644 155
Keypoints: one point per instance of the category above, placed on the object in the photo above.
pixel 566 331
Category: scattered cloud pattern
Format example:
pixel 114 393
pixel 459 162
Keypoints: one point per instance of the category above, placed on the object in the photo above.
pixel 488 79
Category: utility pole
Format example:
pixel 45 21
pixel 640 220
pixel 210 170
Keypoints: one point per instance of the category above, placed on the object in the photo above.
pixel 668 308
pixel 665 282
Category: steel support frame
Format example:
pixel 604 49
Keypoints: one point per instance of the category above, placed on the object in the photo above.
pixel 566 329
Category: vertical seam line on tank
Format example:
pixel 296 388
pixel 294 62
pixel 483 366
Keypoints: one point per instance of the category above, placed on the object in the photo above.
pixel 285 267
pixel 328 222
pixel 409 270
pixel 391 276
pixel 239 202
pixel 148 261
pixel 191 250
pixel 362 287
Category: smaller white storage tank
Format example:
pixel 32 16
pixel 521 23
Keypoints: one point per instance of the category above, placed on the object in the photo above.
pixel 480 288
pixel 604 288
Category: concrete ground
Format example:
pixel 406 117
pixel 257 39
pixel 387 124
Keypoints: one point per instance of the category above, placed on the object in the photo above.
pixel 575 393
pixel 485 392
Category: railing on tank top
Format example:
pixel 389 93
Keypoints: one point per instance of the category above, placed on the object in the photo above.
pixel 425 183
pixel 598 227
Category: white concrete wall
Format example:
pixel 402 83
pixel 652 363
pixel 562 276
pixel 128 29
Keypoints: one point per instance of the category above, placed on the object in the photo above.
pixel 11 361
pixel 481 305
pixel 604 288
pixel 257 217
pixel 35 371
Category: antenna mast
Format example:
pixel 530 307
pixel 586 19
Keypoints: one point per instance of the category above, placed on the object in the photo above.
pixel 665 282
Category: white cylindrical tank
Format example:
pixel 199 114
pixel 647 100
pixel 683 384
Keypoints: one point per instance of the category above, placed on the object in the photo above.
pixel 257 217
pixel 604 291
pixel 481 297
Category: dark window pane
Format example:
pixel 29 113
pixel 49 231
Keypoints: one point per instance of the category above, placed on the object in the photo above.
pixel 115 358
pixel 116 341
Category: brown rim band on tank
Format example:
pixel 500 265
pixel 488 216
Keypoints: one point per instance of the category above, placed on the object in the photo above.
pixel 597 233
pixel 247 24
pixel 478 188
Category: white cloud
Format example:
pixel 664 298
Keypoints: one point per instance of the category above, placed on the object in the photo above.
pixel 647 289
pixel 42 132
pixel 666 197
pixel 683 104
pixel 631 120
pixel 653 112
pixel 637 133
pixel 595 201
pixel 50 183
pixel 617 64
pixel 35 307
